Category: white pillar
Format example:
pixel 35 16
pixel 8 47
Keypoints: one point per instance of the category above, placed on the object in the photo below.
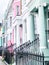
pixel 30 28
pixel 42 34
pixel 24 31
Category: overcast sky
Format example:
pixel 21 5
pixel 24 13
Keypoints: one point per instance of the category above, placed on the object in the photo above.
pixel 3 6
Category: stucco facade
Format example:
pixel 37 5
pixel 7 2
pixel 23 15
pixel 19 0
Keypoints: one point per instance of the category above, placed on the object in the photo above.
pixel 11 20
pixel 35 14
pixel 30 19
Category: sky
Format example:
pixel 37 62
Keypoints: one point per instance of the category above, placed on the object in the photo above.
pixel 3 7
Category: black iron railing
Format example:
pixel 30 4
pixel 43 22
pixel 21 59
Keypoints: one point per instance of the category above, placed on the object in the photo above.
pixel 29 46
pixel 28 53
pixel 23 58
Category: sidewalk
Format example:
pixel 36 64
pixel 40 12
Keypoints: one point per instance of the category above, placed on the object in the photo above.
pixel 2 62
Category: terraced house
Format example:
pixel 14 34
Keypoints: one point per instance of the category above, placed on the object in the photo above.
pixel 30 31
pixel 35 15
pixel 12 25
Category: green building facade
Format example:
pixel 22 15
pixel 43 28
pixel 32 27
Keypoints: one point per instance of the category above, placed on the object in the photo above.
pixel 37 11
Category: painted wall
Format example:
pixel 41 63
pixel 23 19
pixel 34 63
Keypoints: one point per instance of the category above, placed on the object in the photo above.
pixel 11 48
pixel 10 41
pixel 12 38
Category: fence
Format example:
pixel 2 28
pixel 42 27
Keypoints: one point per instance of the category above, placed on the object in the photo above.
pixel 29 46
pixel 28 53
pixel 23 58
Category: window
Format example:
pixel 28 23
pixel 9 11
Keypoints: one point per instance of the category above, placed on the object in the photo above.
pixel 17 10
pixel 25 26
pixel 10 21
pixel 0 24
pixel 6 26
pixel 48 25
pixel 48 14
pixel 47 20
pixel 23 2
pixel 6 40
pixel 3 40
pixel 47 30
pixel 35 23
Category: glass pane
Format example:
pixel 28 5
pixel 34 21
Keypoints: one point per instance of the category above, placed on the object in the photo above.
pixel 48 14
pixel 48 24
pixel 17 9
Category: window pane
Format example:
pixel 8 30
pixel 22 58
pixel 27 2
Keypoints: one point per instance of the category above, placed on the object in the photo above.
pixel 17 10
pixel 48 14
pixel 48 25
pixel 3 40
pixel 10 21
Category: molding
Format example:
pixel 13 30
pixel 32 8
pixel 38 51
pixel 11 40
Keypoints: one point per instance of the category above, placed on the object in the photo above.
pixel 43 47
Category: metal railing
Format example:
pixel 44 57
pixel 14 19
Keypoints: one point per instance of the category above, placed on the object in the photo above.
pixel 28 54
pixel 29 46
pixel 29 59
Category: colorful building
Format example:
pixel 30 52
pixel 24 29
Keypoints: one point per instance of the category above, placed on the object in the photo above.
pixel 26 20
pixel 36 20
pixel 12 19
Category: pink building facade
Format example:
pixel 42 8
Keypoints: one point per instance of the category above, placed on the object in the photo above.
pixel 11 41
pixel 16 11
pixel 16 8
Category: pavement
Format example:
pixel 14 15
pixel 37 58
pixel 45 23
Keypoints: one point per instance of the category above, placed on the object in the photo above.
pixel 2 62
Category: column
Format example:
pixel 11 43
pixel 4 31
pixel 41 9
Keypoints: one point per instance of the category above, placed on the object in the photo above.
pixel 42 34
pixel 24 31
pixel 30 28
pixel 18 37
